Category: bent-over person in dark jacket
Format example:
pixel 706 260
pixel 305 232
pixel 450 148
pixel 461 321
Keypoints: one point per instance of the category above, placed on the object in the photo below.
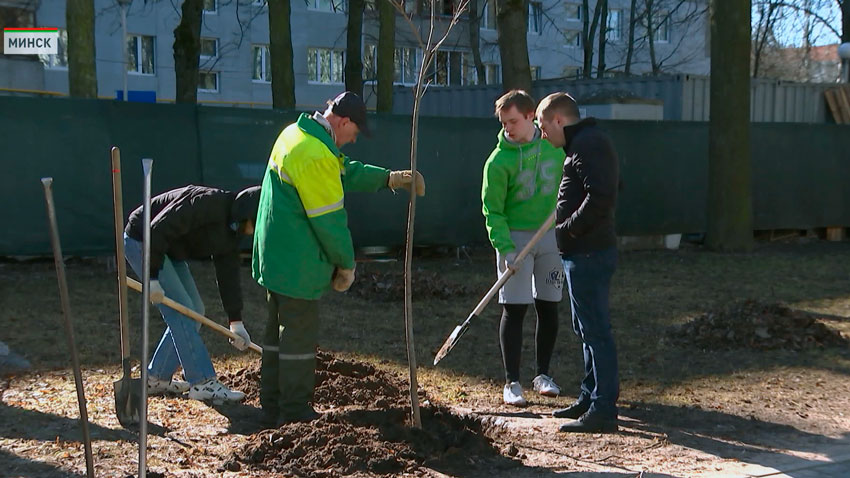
pixel 192 222
pixel 587 241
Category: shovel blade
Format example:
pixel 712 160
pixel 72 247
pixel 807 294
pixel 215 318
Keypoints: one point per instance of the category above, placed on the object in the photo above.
pixel 128 400
pixel 451 341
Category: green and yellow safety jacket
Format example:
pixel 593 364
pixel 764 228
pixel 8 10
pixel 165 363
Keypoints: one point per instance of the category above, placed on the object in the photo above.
pixel 302 231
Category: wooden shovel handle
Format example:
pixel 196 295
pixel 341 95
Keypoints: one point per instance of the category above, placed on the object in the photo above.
pixel 135 285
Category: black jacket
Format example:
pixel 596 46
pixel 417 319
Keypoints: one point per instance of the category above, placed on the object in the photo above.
pixel 588 192
pixel 197 222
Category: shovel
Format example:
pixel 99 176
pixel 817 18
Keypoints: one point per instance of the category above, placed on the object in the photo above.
pixel 461 329
pixel 127 389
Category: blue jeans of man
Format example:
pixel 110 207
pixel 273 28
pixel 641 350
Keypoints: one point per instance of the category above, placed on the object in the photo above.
pixel 589 284
pixel 181 344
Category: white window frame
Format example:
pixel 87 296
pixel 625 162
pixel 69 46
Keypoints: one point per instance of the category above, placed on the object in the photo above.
pixel 52 61
pixel 209 57
pixel 139 61
pixel 578 9
pixel 485 15
pixel 535 18
pixel 489 70
pixel 265 61
pixel 317 81
pixel 217 77
pixel 568 43
pixel 665 23
pixel 417 59
pixel 313 6
pixel 374 66
pixel 214 11
pixel 432 75
pixel 614 33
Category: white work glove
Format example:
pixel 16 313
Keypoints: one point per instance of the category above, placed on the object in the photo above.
pixel 156 292
pixel 238 328
pixel 404 178
pixel 506 261
pixel 342 279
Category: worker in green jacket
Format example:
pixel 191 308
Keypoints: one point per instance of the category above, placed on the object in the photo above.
pixel 302 244
pixel 519 191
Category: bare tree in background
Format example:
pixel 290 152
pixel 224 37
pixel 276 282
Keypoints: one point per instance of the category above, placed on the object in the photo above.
pixel 587 35
pixel 385 55
pixel 280 51
pixel 603 36
pixel 82 69
pixel 474 20
pixel 187 51
pixel 354 45
pixel 512 25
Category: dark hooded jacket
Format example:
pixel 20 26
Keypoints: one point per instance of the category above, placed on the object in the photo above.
pixel 198 222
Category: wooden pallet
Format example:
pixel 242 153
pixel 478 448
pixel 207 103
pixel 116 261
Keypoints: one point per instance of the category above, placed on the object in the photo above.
pixel 838 99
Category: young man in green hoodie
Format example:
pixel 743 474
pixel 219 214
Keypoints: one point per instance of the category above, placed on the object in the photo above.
pixel 521 179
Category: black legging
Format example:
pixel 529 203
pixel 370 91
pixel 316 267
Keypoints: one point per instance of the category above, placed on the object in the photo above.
pixel 510 336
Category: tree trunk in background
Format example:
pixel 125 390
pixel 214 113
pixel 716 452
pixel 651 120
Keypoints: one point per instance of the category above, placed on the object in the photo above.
pixel 603 35
pixel 631 48
pixel 187 51
pixel 650 34
pixel 475 41
pixel 385 55
pixel 280 51
pixel 589 33
pixel 353 47
pixel 512 24
pixel 845 20
pixel 82 69
pixel 730 211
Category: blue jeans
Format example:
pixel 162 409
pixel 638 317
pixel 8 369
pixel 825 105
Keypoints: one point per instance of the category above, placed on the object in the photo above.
pixel 589 284
pixel 181 344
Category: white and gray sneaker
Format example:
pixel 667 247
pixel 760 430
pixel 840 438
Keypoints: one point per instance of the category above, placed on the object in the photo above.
pixel 544 385
pixel 214 391
pixel 158 386
pixel 512 395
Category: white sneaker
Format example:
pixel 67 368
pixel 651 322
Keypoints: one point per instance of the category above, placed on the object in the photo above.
pixel 513 395
pixel 544 385
pixel 158 386
pixel 212 390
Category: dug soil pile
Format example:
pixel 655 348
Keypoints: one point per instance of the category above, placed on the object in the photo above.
pixel 364 430
pixel 755 325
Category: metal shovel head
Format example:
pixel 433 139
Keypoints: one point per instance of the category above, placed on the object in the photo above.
pixel 451 342
pixel 128 398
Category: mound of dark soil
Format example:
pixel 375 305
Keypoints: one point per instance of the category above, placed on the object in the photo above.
pixel 364 430
pixel 755 325
pixel 389 286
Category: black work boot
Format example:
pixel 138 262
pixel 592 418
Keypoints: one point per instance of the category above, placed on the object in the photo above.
pixel 577 409
pixel 591 423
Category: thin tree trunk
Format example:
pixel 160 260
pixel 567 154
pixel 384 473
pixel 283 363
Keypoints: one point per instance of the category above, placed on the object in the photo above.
pixel 766 24
pixel 385 55
pixel 82 69
pixel 475 41
pixel 512 23
pixel 280 51
pixel 187 51
pixel 650 35
pixel 631 47
pixel 589 32
pixel 603 36
pixel 354 46
pixel 730 212
pixel 845 20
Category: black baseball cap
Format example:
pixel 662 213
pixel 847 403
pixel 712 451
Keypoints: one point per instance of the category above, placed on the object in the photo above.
pixel 349 105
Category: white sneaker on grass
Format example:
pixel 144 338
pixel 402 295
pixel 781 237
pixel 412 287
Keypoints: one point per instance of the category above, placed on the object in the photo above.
pixel 214 391
pixel 512 395
pixel 158 386
pixel 544 385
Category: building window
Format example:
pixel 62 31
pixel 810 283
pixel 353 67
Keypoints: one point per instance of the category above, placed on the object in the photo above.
pixel 140 54
pixel 60 59
pixel 535 72
pixel 488 15
pixel 446 69
pixel 370 62
pixel 325 65
pixel 405 63
pixel 573 11
pixel 326 5
pixel 572 38
pixel 210 6
pixel 469 75
pixel 494 74
pixel 662 27
pixel 441 7
pixel 209 48
pixel 262 63
pixel 207 82
pixel 535 17
pixel 614 30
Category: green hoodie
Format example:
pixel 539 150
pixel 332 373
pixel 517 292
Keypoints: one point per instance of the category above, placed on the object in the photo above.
pixel 520 188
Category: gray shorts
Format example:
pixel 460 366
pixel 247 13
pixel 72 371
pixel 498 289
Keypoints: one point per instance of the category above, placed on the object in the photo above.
pixel 541 275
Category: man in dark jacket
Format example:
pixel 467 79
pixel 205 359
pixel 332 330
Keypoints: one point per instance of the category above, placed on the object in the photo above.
pixel 192 222
pixel 585 233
